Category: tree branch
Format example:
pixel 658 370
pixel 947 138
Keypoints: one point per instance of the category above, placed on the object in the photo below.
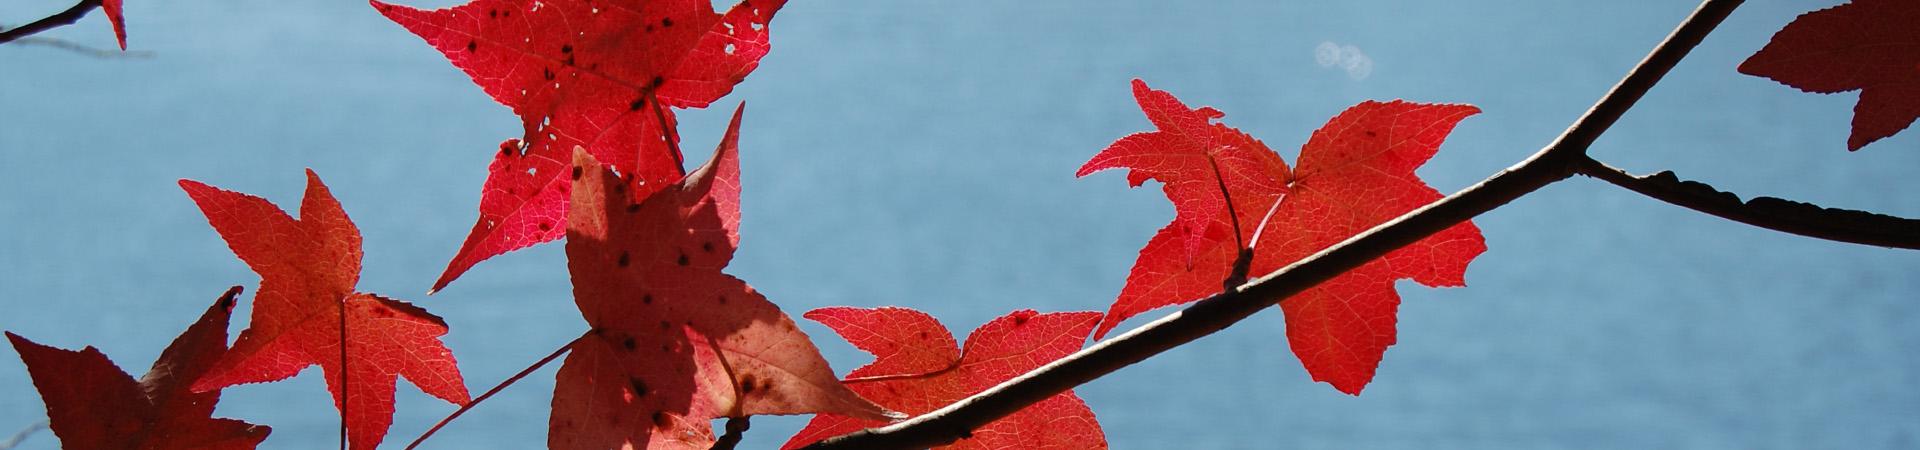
pixel 63 18
pixel 736 429
pixel 1788 216
pixel 1554 163
pixel 83 50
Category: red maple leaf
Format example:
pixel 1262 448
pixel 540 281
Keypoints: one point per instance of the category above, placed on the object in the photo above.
pixel 584 73
pixel 917 369
pixel 1354 173
pixel 92 404
pixel 308 268
pixel 1870 45
pixel 675 342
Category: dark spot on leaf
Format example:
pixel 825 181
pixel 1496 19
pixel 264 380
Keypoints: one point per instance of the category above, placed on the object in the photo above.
pixel 665 325
pixel 922 335
pixel 648 29
pixel 470 45
pixel 1020 319
pixel 746 384
pixel 506 14
pixel 546 226
pixel 493 13
pixel 706 246
pixel 637 103
pixel 544 72
pixel 660 419
pixel 633 208
pixel 566 48
pixel 683 259
pixel 628 343
pixel 623 259
pixel 639 387
pixel 657 81
pixel 1371 133
pixel 646 299
pixel 569 61
pixel 666 21
pixel 723 299
pixel 577 171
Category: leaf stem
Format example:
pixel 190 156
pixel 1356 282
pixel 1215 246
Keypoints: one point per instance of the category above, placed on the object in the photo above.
pixel 669 132
pixel 1554 163
pixel 344 389
pixel 495 390
pixel 1787 216
pixel 63 18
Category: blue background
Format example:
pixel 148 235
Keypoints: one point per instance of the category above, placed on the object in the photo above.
pixel 922 152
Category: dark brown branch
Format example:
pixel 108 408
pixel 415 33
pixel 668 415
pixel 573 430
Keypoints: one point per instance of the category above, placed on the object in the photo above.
pixel 63 18
pixel 495 390
pixel 736 429
pixel 1554 163
pixel 1843 225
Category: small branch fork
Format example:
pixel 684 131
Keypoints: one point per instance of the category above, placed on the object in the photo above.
pixel 1558 161
pixel 57 20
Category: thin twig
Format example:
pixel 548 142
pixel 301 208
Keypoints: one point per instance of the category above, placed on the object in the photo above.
pixel 1554 163
pixel 71 46
pixel 60 19
pixel 14 441
pixel 495 390
pixel 1843 225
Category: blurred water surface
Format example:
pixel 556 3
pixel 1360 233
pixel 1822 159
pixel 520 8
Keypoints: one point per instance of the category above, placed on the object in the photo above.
pixel 921 153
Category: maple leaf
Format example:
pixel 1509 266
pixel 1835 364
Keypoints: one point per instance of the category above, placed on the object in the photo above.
pixel 92 404
pixel 585 73
pixel 308 268
pixel 917 369
pixel 1355 172
pixel 675 342
pixel 1869 45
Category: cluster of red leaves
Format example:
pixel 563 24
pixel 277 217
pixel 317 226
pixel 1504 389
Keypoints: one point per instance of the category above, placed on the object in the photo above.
pixel 675 343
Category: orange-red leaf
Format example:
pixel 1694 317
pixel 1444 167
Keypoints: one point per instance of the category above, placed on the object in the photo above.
pixel 1869 45
pixel 584 73
pixel 917 369
pixel 91 404
pixel 308 268
pixel 675 342
pixel 1357 171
